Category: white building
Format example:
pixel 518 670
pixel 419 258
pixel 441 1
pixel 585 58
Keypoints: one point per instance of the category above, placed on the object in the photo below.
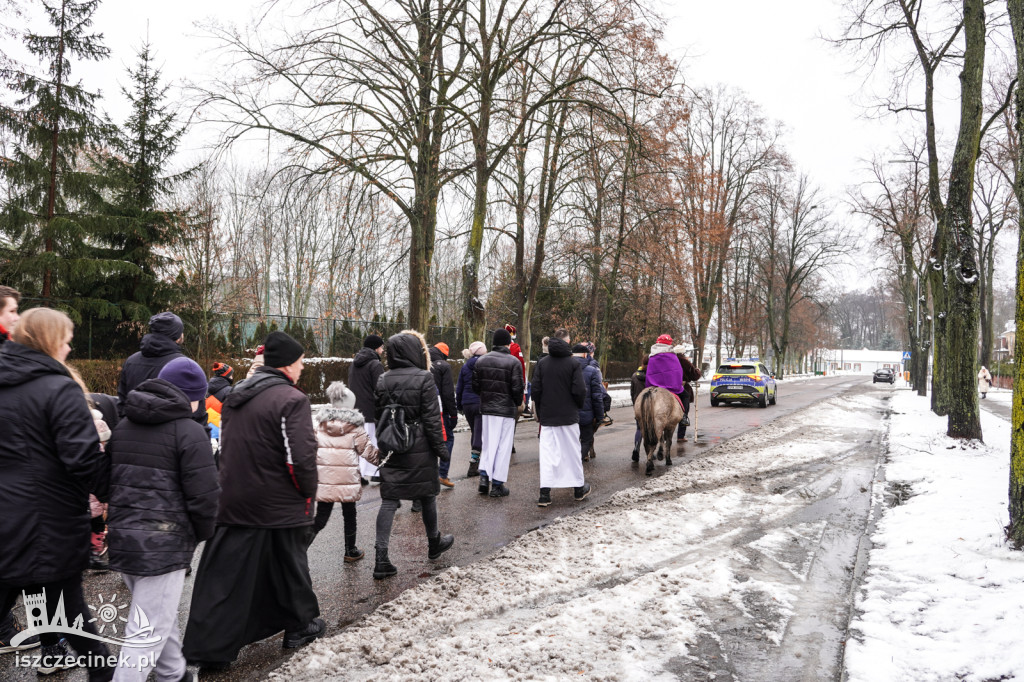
pixel 853 361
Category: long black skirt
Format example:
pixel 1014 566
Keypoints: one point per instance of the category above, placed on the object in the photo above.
pixel 251 583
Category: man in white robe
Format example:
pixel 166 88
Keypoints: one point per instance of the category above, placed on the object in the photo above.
pixel 558 394
pixel 498 380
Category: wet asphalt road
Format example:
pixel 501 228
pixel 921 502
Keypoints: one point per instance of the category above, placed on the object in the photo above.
pixel 481 524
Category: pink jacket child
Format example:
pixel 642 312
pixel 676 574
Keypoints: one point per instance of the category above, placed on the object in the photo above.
pixel 342 440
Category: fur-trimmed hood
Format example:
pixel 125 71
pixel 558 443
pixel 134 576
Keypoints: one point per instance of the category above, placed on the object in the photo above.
pixel 408 348
pixel 661 348
pixel 335 421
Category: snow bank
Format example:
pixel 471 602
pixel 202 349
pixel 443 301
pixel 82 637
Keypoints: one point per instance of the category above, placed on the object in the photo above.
pixel 616 592
pixel 943 596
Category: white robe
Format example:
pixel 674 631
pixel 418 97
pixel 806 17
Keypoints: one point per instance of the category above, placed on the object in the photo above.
pixel 367 470
pixel 560 463
pixel 496 452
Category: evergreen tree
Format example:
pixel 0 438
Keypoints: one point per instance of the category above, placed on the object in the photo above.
pixel 49 216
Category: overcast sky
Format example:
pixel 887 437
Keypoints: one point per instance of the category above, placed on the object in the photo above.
pixel 771 50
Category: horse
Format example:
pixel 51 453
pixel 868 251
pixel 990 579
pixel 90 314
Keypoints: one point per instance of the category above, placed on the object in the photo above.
pixel 658 412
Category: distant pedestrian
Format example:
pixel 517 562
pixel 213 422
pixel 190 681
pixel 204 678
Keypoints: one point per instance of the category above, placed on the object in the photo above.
pixel 51 460
pixel 342 441
pixel 559 393
pixel 161 345
pixel 163 501
pixel 253 579
pixel 363 375
pixel 984 381
pixel 410 475
pixel 637 383
pixel 498 380
pixel 592 409
pixel 468 402
pixel 220 383
pixel 442 373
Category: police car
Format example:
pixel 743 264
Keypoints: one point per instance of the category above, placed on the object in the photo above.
pixel 743 381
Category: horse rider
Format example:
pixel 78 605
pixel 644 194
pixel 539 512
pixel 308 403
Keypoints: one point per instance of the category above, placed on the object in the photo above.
pixel 664 369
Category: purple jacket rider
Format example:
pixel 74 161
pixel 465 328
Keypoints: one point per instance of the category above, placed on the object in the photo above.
pixel 664 370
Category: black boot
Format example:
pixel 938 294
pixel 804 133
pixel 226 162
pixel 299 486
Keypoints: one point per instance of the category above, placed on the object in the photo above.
pixel 636 452
pixel 383 568
pixel 438 545
pixel 352 553
pixel 474 466
pixel 545 497
pixel 485 485
pixel 417 505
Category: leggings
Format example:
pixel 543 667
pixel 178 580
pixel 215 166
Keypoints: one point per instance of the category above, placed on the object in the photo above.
pixel 386 516
pixel 348 514
pixel 476 430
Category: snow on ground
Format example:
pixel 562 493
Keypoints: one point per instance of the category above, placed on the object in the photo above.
pixel 943 596
pixel 616 592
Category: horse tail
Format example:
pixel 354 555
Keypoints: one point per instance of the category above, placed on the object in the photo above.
pixel 647 425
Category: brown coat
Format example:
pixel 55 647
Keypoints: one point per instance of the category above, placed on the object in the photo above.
pixel 342 440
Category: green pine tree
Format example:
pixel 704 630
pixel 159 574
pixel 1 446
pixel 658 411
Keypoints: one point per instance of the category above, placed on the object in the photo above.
pixel 50 218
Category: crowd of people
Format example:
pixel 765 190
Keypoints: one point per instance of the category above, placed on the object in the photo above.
pixel 178 458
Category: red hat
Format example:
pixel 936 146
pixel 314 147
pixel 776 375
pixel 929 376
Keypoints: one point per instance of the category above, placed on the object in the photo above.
pixel 665 338
pixel 510 329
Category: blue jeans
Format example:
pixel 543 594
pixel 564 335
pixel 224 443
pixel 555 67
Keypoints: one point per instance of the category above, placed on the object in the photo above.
pixel 442 466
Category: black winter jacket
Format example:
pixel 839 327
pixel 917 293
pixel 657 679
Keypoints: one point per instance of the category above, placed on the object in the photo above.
pixel 412 474
pixel 362 379
pixel 156 350
pixel 464 394
pixel 50 460
pixel 107 405
pixel 558 391
pixel 593 406
pixel 637 383
pixel 267 454
pixel 498 380
pixel 163 483
pixel 219 388
pixel 442 373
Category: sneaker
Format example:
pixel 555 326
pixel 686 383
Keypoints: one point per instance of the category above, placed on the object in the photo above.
pixel 499 490
pixel 545 497
pixel 485 485
pixel 474 467
pixel 9 627
pixel 606 420
pixel 581 492
pixel 56 657
pixel 316 628
pixel 447 483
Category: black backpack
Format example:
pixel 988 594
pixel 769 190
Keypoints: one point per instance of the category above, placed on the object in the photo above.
pixel 393 433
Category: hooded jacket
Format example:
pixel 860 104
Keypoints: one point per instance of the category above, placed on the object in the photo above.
pixel 362 380
pixel 267 454
pixel 593 403
pixel 498 380
pixel 219 388
pixel 155 351
pixel 163 483
pixel 50 460
pixel 341 441
pixel 664 369
pixel 442 373
pixel 558 388
pixel 412 474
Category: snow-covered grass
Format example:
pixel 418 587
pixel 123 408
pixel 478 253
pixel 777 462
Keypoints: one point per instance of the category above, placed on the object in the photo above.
pixel 943 596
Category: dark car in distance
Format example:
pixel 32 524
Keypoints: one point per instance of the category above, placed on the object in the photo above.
pixel 885 374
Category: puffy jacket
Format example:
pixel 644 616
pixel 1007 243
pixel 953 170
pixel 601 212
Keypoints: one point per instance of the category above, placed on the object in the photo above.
pixel 163 483
pixel 637 383
pixel 362 380
pixel 464 394
pixel 498 380
pixel 558 388
pixel 341 441
pixel 593 405
pixel 412 474
pixel 267 454
pixel 664 369
pixel 219 388
pixel 442 373
pixel 155 351
pixel 50 460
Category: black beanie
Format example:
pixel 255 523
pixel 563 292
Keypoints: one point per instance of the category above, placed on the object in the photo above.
pixel 166 324
pixel 502 338
pixel 579 348
pixel 281 350
pixel 373 342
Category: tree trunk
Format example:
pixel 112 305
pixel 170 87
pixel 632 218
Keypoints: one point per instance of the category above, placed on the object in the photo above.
pixel 1015 530
pixel 51 194
pixel 961 260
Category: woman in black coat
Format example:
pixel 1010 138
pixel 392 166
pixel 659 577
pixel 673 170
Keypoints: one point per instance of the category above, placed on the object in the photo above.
pixel 411 475
pixel 51 460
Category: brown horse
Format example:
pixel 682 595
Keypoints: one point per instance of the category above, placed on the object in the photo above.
pixel 658 412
